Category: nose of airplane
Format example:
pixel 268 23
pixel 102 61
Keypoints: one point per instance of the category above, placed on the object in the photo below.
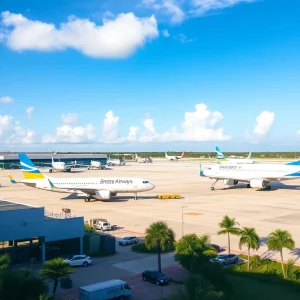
pixel 152 186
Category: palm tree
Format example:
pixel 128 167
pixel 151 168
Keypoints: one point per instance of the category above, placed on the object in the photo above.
pixel 191 246
pixel 54 270
pixel 228 226
pixel 278 240
pixel 4 262
pixel 250 238
pixel 161 237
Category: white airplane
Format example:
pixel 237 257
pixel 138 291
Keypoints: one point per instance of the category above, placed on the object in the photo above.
pixel 143 159
pixel 174 157
pixel 94 165
pixel 91 188
pixel 234 159
pixel 115 162
pixel 59 166
pixel 254 175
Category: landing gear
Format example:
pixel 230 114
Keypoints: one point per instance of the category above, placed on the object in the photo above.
pixel 213 184
pixel 135 196
pixel 87 199
pixel 248 186
pixel 267 188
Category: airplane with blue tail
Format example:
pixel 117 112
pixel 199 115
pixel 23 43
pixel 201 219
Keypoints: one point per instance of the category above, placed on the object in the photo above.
pixel 254 175
pixel 91 188
pixel 234 160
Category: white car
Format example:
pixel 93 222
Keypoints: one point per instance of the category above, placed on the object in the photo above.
pixel 103 225
pixel 128 240
pixel 79 260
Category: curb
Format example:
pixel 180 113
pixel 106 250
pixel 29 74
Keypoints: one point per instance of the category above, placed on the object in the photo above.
pixel 134 251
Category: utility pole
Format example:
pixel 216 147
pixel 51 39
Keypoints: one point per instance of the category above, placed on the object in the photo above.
pixel 182 207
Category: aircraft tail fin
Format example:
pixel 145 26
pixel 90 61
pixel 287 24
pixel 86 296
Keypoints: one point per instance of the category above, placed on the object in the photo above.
pixel 166 154
pixel 30 171
pixel 294 163
pixel 201 171
pixel 220 155
pixel 249 155
pixel 182 155
pixel 11 179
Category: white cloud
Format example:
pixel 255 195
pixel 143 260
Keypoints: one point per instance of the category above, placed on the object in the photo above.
pixel 29 111
pixel 69 119
pixel 199 125
pixel 166 33
pixel 6 99
pixel 12 133
pixel 117 38
pixel 184 39
pixel 169 7
pixel 68 134
pixel 110 128
pixel 264 123
pixel 203 6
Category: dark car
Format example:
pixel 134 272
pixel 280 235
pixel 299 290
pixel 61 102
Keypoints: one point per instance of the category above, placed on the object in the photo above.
pixel 156 277
pixel 217 247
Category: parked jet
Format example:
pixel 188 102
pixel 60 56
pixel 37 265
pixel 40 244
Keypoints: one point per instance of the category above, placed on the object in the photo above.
pixel 59 166
pixel 94 165
pixel 174 157
pixel 254 175
pixel 143 159
pixel 92 188
pixel 234 159
pixel 115 162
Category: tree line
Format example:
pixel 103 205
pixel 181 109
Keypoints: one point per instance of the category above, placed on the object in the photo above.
pixel 260 155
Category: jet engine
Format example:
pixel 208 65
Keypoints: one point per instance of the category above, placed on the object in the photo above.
pixel 259 183
pixel 102 195
pixel 230 182
pixel 113 194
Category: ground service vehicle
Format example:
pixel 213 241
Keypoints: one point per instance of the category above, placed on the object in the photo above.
pixel 103 225
pixel 106 290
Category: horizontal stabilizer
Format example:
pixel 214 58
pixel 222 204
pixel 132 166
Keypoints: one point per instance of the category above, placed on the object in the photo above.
pixel 294 163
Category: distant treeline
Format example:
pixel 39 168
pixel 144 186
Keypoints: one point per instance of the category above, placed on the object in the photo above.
pixel 195 154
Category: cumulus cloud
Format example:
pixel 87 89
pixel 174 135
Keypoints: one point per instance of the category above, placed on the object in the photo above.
pixel 199 125
pixel 6 99
pixel 264 123
pixel 110 132
pixel 166 33
pixel 11 132
pixel 115 38
pixel 69 119
pixel 68 134
pixel 29 111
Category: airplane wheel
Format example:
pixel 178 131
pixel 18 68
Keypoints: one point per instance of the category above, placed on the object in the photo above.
pixel 50 170
pixel 212 188
pixel 248 186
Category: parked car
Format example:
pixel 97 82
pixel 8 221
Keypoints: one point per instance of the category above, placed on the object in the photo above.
pixel 103 225
pixel 156 277
pixel 128 240
pixel 217 247
pixel 225 259
pixel 79 260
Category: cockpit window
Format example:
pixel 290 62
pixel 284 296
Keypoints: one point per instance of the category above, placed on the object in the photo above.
pixel 145 181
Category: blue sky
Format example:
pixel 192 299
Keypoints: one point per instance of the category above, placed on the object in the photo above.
pixel 223 72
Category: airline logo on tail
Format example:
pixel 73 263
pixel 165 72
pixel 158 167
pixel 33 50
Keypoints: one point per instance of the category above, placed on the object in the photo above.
pixel 220 155
pixel 30 171
pixel 182 155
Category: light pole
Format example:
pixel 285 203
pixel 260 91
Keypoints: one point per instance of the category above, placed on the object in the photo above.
pixel 182 207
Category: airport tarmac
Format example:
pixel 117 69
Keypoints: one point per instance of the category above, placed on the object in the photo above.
pixel 264 210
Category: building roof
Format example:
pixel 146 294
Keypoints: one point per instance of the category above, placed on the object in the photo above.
pixel 7 205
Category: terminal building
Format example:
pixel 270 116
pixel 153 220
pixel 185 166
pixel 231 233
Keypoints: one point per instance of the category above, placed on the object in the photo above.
pixel 28 232
pixel 10 160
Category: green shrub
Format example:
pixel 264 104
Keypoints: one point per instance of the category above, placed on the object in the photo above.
pixel 88 228
pixel 142 248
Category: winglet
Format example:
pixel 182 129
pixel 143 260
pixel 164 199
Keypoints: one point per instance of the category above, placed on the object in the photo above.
pixel 51 184
pixel 201 171
pixel 11 179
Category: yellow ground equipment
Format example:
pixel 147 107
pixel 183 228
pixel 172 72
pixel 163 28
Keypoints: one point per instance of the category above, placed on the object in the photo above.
pixel 168 196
